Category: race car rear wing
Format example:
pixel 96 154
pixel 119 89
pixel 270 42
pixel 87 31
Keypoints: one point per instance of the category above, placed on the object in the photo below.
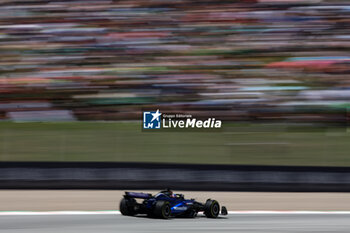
pixel 137 195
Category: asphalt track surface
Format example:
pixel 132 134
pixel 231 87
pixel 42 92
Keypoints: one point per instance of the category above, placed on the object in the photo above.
pixel 242 223
pixel 87 200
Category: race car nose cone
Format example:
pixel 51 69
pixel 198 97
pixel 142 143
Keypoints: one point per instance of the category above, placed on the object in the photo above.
pixel 223 210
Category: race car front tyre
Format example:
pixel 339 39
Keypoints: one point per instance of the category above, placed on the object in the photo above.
pixel 211 209
pixel 162 209
pixel 127 206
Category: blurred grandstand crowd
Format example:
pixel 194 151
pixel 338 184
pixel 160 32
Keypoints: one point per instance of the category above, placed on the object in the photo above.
pixel 245 60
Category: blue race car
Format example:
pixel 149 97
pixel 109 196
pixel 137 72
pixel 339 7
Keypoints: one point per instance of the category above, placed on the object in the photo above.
pixel 165 204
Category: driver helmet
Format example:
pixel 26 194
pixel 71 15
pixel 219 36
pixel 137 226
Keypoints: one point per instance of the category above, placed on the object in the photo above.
pixel 168 192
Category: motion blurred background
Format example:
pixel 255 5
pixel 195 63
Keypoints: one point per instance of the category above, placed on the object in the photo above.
pixel 75 76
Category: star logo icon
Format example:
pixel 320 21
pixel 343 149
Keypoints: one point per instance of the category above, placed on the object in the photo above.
pixel 156 115
pixel 151 120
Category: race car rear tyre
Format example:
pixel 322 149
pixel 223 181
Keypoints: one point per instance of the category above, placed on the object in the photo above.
pixel 127 206
pixel 211 209
pixel 162 209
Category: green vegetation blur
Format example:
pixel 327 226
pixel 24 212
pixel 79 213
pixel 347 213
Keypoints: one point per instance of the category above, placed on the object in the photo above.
pixel 263 144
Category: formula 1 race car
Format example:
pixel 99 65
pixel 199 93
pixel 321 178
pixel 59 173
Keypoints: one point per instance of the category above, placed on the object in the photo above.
pixel 165 204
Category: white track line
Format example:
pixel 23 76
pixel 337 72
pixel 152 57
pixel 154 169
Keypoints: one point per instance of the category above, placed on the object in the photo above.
pixel 9 213
pixel 288 212
pixel 115 212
